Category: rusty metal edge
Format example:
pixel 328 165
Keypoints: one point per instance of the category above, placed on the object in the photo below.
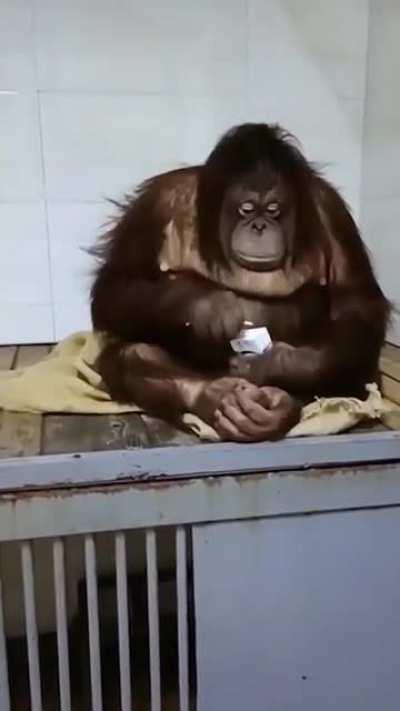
pixel 26 515
pixel 160 463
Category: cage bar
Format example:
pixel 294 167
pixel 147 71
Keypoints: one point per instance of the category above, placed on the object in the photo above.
pixel 62 625
pixel 93 622
pixel 4 680
pixel 153 615
pixel 31 625
pixel 183 629
pixel 123 622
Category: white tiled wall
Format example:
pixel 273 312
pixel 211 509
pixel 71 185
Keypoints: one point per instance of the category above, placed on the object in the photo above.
pixel 381 185
pixel 72 226
pixel 24 273
pixel 96 95
pixel 97 144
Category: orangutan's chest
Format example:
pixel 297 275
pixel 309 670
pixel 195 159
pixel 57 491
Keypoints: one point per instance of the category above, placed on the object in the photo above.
pixel 291 319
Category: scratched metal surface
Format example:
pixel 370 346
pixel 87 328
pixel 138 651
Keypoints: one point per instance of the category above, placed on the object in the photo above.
pixel 196 461
pixel 141 504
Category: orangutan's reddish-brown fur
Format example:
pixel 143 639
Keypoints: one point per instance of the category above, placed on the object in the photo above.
pixel 324 309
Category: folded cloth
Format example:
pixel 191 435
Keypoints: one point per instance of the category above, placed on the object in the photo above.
pixel 65 381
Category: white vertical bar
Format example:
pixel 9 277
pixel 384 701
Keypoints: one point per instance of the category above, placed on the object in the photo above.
pixel 93 619
pixel 154 626
pixel 183 629
pixel 4 682
pixel 123 622
pixel 31 625
pixel 62 625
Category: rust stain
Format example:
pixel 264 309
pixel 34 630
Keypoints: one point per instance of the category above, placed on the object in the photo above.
pixel 160 482
pixel 354 471
pixel 108 489
pixel 312 473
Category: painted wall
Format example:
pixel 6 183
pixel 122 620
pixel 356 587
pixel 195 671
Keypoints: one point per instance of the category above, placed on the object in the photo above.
pixel 95 96
pixel 381 185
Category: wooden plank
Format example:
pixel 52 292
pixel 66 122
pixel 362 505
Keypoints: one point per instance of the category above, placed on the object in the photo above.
pixel 391 389
pixel 7 355
pixel 389 350
pixel 390 367
pixel 20 434
pixel 29 355
pixel 161 433
pixel 90 433
pixel 369 426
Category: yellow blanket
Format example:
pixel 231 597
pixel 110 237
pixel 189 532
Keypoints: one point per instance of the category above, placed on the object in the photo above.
pixel 65 381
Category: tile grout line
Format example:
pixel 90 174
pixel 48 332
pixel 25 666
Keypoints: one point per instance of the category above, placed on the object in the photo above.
pixel 39 115
pixel 368 60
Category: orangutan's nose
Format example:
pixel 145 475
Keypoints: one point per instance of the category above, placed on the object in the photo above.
pixel 258 225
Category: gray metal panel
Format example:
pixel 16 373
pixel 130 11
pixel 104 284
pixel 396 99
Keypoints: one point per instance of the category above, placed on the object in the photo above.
pixel 163 503
pixel 299 614
pixel 160 462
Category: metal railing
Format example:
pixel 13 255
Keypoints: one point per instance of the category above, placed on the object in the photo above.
pixel 31 578
pixel 68 500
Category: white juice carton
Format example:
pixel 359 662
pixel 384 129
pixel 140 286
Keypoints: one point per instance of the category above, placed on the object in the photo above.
pixel 252 341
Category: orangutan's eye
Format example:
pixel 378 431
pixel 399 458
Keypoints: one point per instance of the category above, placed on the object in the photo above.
pixel 273 209
pixel 246 209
